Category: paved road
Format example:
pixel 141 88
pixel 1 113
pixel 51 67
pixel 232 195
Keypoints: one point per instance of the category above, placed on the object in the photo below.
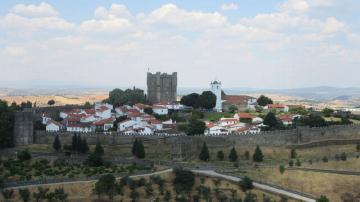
pixel 258 185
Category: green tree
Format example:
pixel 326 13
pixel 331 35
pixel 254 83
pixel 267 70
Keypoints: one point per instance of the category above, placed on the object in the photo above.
pixel 148 110
pixel 84 146
pixel 343 156
pixel 204 154
pixel 24 194
pixel 138 149
pixel 270 120
pixel 258 155
pixel 246 184
pixel 74 142
pixel 263 100
pixel 24 155
pixel 250 197
pixel 87 104
pixel 8 193
pixel 184 181
pixel 207 100
pixel 282 169
pixel 195 127
pixel 6 124
pixel 40 194
pixel 106 185
pixel 99 150
pixel 118 97
pixel 327 112
pixel 57 144
pixel 291 163
pixel 220 155
pixel 190 100
pixel 167 196
pixel 293 154
pixel 233 157
pixel 60 194
pixel 51 102
pixel 233 108
pixel 298 162
pixel 358 147
pixel 322 199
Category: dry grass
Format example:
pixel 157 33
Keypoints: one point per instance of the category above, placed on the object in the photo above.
pixel 59 100
pixel 83 191
pixel 331 185
pixel 350 164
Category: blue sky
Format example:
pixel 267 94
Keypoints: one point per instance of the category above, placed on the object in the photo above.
pixel 246 43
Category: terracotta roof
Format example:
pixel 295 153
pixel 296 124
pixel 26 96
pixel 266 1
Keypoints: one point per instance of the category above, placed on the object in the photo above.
pixel 126 120
pixel 236 99
pixel 79 125
pixel 228 119
pixel 276 106
pixel 154 121
pixel 140 106
pixel 102 108
pixel 245 116
pixel 102 122
pixel 53 122
pixel 90 111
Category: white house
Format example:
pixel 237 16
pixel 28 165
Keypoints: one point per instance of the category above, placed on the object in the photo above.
pixel 160 110
pixel 104 124
pixel 217 130
pixel 53 126
pixel 103 111
pixel 89 118
pixel 144 130
pixel 126 124
pixel 121 111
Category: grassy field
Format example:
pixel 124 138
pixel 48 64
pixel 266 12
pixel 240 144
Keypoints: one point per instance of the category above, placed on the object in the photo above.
pixel 215 116
pixel 83 191
pixel 331 185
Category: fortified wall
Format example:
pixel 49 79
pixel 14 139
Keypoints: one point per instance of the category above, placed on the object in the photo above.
pixel 300 135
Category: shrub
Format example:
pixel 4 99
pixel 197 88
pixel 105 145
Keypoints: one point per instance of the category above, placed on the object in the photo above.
pixel 246 184
pixel 24 194
pixel 106 185
pixel 322 199
pixel 325 159
pixel 291 163
pixel 282 169
pixel 184 180
pixel 7 193
pixel 220 155
pixel 247 155
pixel 250 197
pixel 293 154
pixel 233 155
pixel 343 156
pixel 24 155
pixel 298 162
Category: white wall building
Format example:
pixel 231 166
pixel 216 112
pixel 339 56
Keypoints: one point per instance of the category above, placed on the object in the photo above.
pixel 216 89
pixel 160 110
pixel 53 126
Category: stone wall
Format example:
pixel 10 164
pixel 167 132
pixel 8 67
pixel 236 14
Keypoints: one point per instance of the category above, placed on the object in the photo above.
pixel 300 135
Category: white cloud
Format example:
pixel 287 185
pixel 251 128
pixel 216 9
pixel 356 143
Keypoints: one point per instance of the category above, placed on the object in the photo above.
pixel 230 6
pixel 333 25
pixel 41 10
pixel 286 44
pixel 15 51
pixel 170 14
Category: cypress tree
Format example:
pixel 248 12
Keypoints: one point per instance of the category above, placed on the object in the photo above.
pixel 56 143
pixel 204 154
pixel 233 155
pixel 99 150
pixel 79 144
pixel 141 150
pixel 220 155
pixel 293 154
pixel 134 148
pixel 74 142
pixel 85 146
pixel 258 155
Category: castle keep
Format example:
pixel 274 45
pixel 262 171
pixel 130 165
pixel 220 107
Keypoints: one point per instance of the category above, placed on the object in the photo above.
pixel 161 87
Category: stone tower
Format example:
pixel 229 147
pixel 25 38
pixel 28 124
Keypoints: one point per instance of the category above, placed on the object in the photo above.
pixel 216 89
pixel 161 87
pixel 24 127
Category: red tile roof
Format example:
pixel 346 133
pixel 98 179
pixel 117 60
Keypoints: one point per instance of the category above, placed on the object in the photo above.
pixel 276 106
pixel 102 109
pixel 245 116
pixel 236 99
pixel 102 122
pixel 90 111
